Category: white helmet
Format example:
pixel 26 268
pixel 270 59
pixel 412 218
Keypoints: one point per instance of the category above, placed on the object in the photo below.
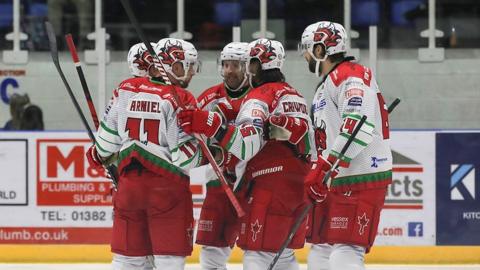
pixel 270 53
pixel 331 35
pixel 234 51
pixel 139 60
pixel 172 50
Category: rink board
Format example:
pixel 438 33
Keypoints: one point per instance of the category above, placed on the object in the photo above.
pixel 54 208
pixel 380 254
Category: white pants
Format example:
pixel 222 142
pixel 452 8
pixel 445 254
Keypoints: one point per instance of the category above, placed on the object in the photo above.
pixel 163 262
pixel 214 258
pixel 259 260
pixel 336 257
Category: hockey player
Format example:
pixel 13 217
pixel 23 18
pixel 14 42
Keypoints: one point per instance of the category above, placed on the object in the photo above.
pixel 273 177
pixel 153 210
pixel 217 224
pixel 344 219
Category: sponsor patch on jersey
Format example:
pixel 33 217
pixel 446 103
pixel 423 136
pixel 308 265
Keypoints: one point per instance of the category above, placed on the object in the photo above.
pixel 258 113
pixel 354 92
pixel 205 225
pixel 257 122
pixel 318 106
pixel 339 222
pixel 377 161
pixel 355 101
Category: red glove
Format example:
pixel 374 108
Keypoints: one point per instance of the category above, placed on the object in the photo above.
pixel 314 186
pixel 226 111
pixel 196 121
pixel 94 159
pixel 287 128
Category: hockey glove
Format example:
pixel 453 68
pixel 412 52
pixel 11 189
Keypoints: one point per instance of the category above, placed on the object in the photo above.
pixel 202 122
pixel 287 128
pixel 94 159
pixel 226 111
pixel 314 186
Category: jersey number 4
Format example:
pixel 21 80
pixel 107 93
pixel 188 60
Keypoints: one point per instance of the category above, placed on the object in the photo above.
pixel 150 126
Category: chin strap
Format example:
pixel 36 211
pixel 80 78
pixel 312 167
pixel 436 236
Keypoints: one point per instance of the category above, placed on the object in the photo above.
pixel 242 84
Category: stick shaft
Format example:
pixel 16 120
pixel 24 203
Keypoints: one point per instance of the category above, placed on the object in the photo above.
pixel 81 75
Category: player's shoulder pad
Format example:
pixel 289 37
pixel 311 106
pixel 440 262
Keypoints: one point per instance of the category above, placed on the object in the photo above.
pixel 186 97
pixel 212 93
pixel 271 93
pixel 132 83
pixel 348 70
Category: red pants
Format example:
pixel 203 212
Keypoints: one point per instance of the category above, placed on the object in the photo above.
pixel 217 225
pixel 275 198
pixel 342 219
pixel 152 215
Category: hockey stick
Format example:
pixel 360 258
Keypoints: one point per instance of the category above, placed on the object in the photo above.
pixel 305 211
pixel 54 52
pixel 81 75
pixel 393 105
pixel 203 145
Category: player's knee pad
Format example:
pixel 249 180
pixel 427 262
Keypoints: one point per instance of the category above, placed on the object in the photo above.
pixel 318 257
pixel 121 262
pixel 212 258
pixel 166 262
pixel 347 257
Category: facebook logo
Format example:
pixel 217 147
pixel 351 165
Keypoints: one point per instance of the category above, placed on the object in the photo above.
pixel 415 229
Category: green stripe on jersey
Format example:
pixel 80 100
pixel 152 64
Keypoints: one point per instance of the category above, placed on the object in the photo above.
pixel 358 117
pixel 362 178
pixel 151 158
pixel 109 130
pixel 358 141
pixel 337 155
pixel 107 141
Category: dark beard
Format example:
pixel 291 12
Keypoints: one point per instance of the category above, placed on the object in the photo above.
pixel 311 66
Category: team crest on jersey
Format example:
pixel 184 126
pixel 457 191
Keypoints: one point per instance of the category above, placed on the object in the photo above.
pixel 263 51
pixel 329 35
pixel 172 52
pixel 142 60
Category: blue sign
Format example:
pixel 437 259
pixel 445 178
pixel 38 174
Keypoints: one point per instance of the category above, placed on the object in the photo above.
pixel 3 88
pixel 415 229
pixel 458 188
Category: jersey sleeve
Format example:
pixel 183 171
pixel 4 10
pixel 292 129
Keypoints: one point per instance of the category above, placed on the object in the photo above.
pixel 245 138
pixel 108 140
pixel 184 148
pixel 355 99
pixel 294 105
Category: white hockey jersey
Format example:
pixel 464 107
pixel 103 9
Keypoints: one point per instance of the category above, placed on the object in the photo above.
pixel 141 122
pixel 347 93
